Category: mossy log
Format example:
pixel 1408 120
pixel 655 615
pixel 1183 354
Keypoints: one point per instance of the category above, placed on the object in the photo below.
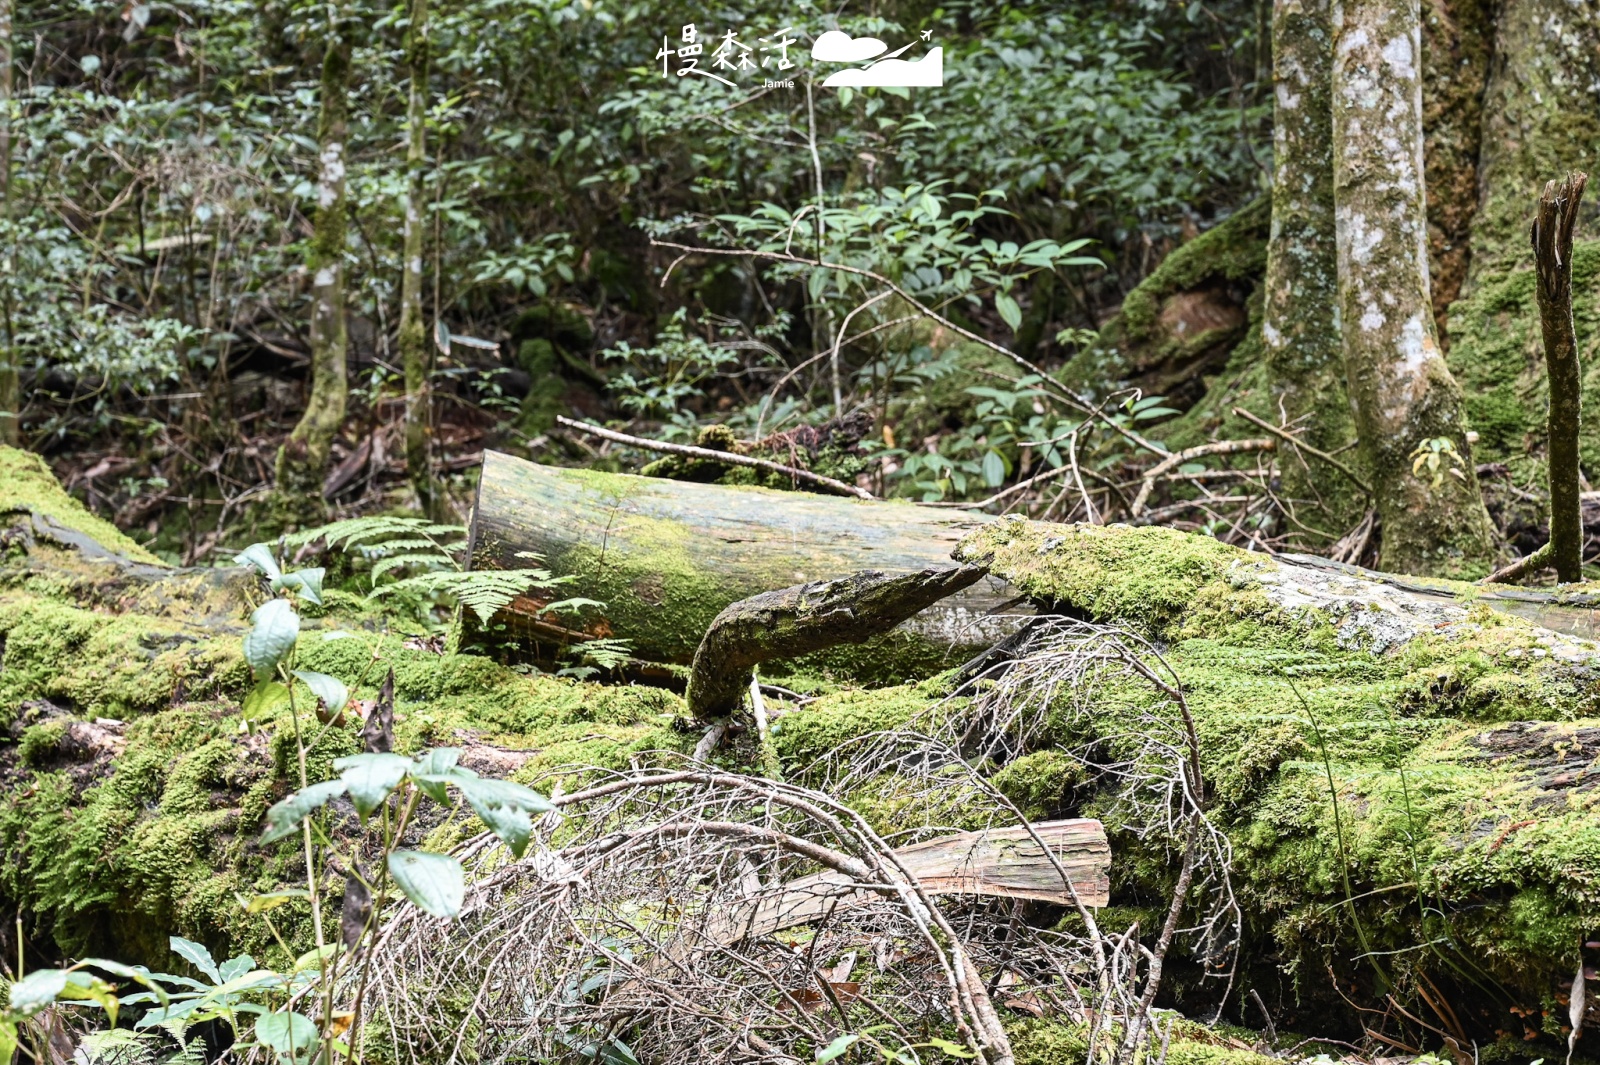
pixel 1459 841
pixel 666 557
pixel 1460 739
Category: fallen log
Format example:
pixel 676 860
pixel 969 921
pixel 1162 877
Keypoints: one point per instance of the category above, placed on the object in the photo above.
pixel 666 557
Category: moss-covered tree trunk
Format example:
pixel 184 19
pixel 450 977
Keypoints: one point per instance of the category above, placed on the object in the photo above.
pixel 10 384
pixel 1300 315
pixel 1541 117
pixel 1403 394
pixel 303 459
pixel 413 337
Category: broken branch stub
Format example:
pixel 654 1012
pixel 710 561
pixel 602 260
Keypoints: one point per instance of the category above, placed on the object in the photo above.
pixel 1552 250
pixel 804 618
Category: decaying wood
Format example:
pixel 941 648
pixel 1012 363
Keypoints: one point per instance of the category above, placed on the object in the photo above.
pixel 1552 252
pixel 798 620
pixel 665 557
pixel 1000 863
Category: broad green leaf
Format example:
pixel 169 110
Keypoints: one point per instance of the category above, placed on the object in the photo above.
pixel 306 582
pixel 1009 311
pixel 430 772
pixel 138 974
pixel 274 627
pixel 330 690
pixel 285 817
pixel 505 807
pixel 371 777
pixel 234 968
pixel 263 699
pixel 8 1039
pixel 836 1048
pixel 292 1036
pixel 994 469
pixel 260 556
pixel 87 988
pixel 197 955
pixel 312 959
pixel 37 990
pixel 435 883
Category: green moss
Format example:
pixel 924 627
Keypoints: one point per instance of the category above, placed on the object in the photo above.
pixel 106 666
pixel 1148 575
pixel 1039 783
pixel 1038 1042
pixel 26 484
pixel 1497 355
pixel 828 723
pixel 1235 250
pixel 39 742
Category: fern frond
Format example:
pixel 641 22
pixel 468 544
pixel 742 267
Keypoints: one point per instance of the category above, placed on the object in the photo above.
pixel 118 1046
pixel 484 592
pixel 424 560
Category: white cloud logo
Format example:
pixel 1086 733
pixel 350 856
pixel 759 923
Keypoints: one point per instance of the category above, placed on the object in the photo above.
pixel 836 47
pixel 927 72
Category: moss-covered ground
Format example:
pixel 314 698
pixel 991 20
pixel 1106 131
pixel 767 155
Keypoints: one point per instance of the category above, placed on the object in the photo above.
pixel 1466 817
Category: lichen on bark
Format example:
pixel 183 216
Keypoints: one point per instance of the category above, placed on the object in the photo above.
pixel 1404 396
pixel 1300 316
pixel 302 462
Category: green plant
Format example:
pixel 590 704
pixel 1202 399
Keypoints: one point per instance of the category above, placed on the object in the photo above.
pixel 414 559
pixel 385 789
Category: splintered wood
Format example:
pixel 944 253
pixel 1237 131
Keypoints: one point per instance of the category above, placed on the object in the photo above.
pixel 999 863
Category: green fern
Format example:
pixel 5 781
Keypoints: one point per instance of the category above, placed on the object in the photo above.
pixel 423 559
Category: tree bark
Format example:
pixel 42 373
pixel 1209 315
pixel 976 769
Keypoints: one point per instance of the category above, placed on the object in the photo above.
pixel 10 384
pixel 1541 116
pixel 790 622
pixel 303 459
pixel 1403 394
pixel 1552 252
pixel 1300 321
pixel 666 557
pixel 413 336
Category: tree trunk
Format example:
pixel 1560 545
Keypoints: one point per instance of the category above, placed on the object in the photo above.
pixel 303 460
pixel 1300 322
pixel 413 335
pixel 1406 403
pixel 1541 117
pixel 1457 36
pixel 666 557
pixel 10 385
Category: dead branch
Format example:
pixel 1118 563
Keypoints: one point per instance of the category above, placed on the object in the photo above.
pixel 1301 445
pixel 1552 253
pixel 728 458
pixel 1221 447
pixel 805 618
